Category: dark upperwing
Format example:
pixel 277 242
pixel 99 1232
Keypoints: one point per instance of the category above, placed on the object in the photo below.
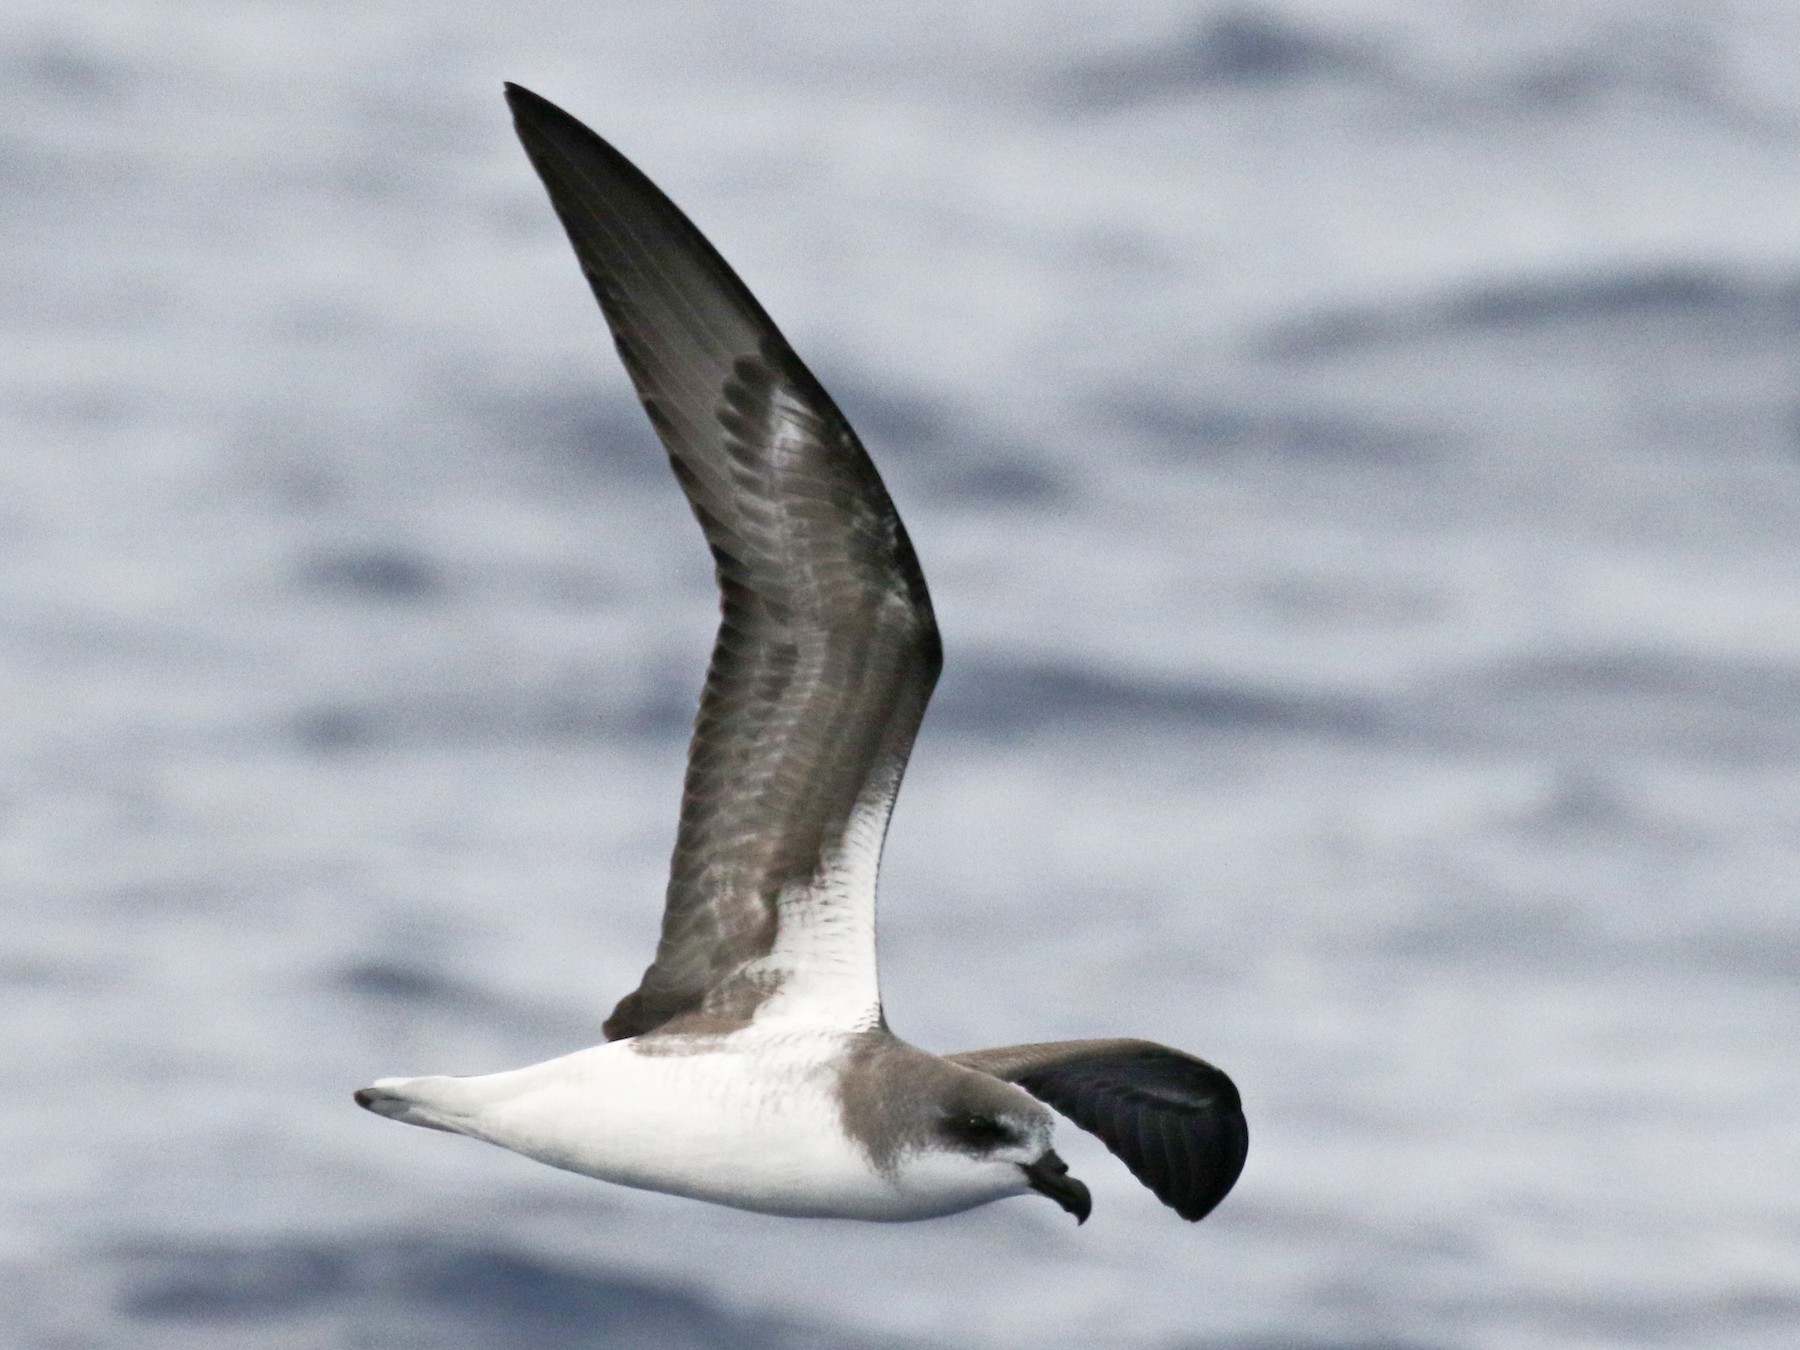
pixel 1174 1120
pixel 827 649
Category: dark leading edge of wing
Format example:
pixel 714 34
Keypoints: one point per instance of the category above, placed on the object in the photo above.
pixel 827 650
pixel 1174 1120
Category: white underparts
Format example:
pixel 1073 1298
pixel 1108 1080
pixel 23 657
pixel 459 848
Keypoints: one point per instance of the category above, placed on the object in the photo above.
pixel 752 1119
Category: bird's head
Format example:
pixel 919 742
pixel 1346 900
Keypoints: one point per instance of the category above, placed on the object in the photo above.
pixel 1004 1135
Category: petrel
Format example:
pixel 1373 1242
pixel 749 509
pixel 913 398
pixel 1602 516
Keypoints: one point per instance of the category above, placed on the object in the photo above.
pixel 753 1067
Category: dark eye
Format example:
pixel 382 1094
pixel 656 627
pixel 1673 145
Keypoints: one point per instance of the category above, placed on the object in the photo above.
pixel 979 1132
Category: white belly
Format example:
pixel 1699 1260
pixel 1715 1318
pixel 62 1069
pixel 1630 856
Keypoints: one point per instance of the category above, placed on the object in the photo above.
pixel 751 1120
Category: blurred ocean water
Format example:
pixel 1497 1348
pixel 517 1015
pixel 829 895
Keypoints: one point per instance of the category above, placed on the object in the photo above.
pixel 1355 448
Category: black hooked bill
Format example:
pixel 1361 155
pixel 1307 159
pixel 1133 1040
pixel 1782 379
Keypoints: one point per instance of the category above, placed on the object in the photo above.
pixel 1049 1175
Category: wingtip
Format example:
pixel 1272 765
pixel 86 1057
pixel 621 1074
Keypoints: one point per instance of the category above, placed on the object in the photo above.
pixel 525 101
pixel 1223 1148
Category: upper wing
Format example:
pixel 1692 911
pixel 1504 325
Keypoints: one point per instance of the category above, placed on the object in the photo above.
pixel 1174 1120
pixel 827 650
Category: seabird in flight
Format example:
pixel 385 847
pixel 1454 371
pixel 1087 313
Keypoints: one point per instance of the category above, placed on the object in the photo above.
pixel 752 1066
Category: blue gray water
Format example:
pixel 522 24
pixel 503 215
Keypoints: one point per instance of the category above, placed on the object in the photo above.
pixel 1356 452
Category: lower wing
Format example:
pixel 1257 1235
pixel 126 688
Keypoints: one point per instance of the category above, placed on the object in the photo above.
pixel 1174 1120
